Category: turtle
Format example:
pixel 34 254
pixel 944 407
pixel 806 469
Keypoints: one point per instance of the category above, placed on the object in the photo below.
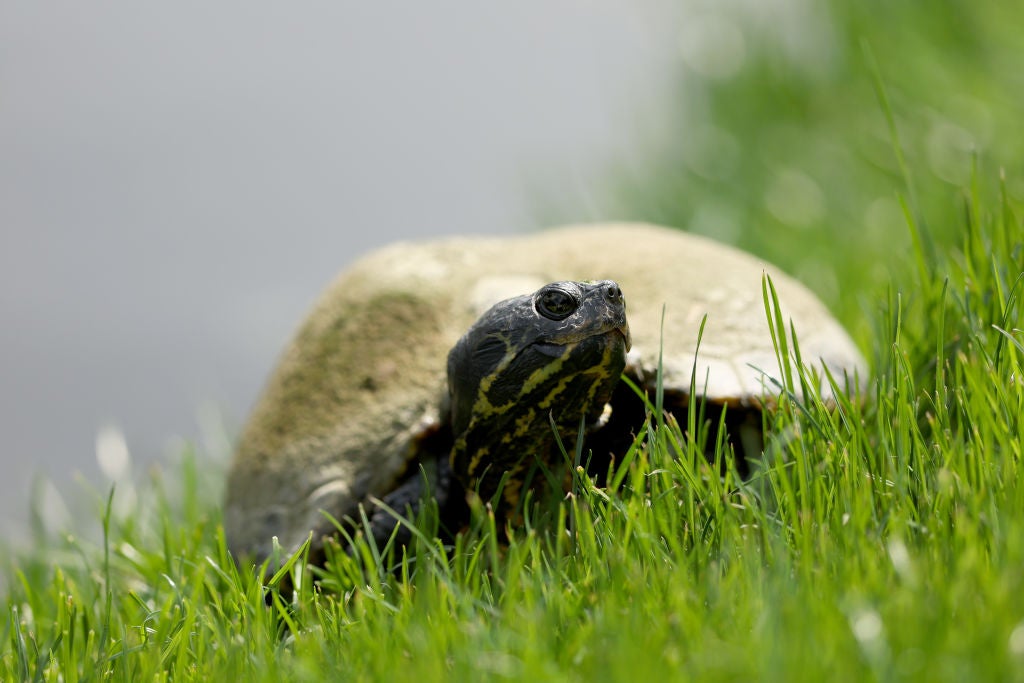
pixel 410 377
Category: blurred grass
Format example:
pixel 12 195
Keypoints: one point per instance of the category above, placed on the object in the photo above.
pixel 775 139
pixel 883 539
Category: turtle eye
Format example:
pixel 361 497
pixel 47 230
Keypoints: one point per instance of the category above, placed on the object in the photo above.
pixel 556 304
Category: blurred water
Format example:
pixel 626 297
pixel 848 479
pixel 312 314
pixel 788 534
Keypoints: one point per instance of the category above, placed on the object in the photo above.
pixel 178 181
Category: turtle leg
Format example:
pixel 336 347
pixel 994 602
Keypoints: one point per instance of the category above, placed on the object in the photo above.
pixel 430 479
pixel 751 435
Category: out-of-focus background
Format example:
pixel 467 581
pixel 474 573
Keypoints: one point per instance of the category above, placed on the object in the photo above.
pixel 178 182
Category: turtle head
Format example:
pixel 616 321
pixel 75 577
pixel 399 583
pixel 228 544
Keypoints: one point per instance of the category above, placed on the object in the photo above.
pixel 555 355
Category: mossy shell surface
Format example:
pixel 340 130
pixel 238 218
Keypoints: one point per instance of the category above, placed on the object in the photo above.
pixel 365 375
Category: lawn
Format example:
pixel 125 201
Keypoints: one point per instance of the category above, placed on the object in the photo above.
pixel 882 539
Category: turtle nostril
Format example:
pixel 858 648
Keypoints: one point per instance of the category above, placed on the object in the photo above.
pixel 612 292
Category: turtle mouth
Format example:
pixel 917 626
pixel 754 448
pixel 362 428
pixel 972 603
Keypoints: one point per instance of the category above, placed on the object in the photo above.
pixel 620 327
pixel 557 349
pixel 550 348
pixel 627 338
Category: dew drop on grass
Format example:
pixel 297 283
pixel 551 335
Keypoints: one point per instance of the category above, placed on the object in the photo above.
pixel 1016 642
pixel 112 453
pixel 115 461
pixel 901 562
pixel 866 625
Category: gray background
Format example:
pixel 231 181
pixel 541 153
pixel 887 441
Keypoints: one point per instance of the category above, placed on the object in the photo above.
pixel 179 180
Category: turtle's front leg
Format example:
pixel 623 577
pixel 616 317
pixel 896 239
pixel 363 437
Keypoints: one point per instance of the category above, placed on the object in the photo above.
pixel 430 479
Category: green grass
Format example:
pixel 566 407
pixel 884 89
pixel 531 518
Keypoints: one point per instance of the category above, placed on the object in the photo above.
pixel 883 539
pixel 792 157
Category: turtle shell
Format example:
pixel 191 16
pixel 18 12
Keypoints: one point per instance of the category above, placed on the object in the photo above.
pixel 364 378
